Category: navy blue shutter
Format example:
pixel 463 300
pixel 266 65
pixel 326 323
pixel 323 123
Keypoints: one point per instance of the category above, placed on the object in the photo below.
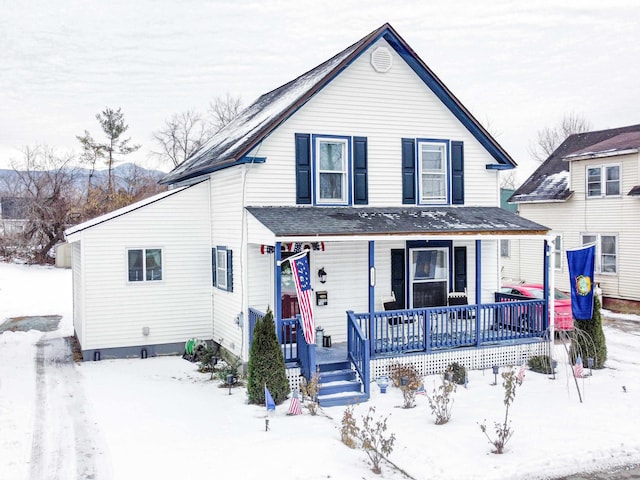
pixel 360 183
pixel 408 171
pixel 303 168
pixel 229 271
pixel 213 266
pixel 460 269
pixel 457 173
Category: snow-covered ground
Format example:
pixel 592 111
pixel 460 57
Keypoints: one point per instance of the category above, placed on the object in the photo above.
pixel 160 418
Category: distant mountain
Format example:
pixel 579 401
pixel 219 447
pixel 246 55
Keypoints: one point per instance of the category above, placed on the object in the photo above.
pixel 123 175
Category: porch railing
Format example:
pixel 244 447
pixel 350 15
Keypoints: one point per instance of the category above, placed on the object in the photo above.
pixel 440 328
pixel 358 350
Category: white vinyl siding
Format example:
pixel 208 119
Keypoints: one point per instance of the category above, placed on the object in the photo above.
pixel 113 313
pixel 78 290
pixel 384 107
pixel 227 216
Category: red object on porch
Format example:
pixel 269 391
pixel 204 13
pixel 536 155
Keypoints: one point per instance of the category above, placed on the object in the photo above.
pixel 290 308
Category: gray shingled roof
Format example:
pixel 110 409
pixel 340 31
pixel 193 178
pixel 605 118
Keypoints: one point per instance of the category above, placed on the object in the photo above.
pixel 550 182
pixel 231 144
pixel 332 221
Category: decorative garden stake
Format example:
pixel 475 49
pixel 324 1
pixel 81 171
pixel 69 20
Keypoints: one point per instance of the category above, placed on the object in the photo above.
pixel 229 382
pixel 496 369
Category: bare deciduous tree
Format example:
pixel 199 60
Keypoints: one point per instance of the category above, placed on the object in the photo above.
pixel 184 133
pixel 46 180
pixel 224 110
pixel 549 138
pixel 181 136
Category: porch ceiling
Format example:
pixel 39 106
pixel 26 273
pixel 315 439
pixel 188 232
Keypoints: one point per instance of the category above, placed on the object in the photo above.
pixel 392 221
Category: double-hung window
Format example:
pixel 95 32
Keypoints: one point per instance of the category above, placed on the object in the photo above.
pixel 557 258
pixel 433 174
pixel 432 171
pixel 606 251
pixel 603 181
pixel 332 171
pixel 144 264
pixel 222 268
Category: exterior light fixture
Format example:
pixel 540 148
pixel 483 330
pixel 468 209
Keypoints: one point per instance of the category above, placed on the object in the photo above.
pixel 322 275
pixel 554 364
pixel 496 369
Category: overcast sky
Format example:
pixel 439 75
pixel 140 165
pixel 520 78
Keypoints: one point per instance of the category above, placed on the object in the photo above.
pixel 518 66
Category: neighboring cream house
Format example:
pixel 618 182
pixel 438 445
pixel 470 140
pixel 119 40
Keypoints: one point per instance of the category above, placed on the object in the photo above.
pixel 587 191
pixel 370 164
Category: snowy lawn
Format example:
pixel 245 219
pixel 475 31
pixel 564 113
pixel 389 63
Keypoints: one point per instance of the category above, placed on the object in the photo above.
pixel 160 418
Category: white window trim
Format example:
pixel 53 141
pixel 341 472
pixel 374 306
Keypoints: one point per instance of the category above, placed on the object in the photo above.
pixel 508 244
pixel 144 265
pixel 221 280
pixel 445 172
pixel 603 180
pixel 559 252
pixel 598 261
pixel 346 184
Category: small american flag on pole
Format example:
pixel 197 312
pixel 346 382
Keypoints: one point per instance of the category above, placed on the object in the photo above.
pixel 300 270
pixel 295 407
pixel 577 368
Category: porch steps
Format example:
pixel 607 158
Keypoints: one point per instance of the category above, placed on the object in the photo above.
pixel 338 385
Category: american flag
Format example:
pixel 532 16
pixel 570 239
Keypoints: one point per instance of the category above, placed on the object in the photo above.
pixel 577 368
pixel 295 407
pixel 523 367
pixel 420 390
pixel 300 270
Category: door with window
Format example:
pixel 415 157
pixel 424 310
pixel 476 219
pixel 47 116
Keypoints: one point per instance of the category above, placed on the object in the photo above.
pixel 428 277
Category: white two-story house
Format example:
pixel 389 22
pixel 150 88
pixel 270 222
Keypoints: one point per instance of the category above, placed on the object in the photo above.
pixel 587 191
pixel 370 165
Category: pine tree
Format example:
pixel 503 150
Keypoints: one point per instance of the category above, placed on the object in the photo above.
pixel 588 339
pixel 266 363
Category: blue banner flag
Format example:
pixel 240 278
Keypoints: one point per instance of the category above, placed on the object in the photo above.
pixel 581 263
pixel 271 405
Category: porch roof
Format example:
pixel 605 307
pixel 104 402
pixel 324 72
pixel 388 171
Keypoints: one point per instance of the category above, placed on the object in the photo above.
pixel 385 221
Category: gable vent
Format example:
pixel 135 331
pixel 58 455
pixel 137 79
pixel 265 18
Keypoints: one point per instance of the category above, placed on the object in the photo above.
pixel 381 59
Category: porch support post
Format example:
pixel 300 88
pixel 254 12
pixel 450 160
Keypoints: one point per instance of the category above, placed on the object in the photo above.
pixel 478 290
pixel 277 303
pixel 372 295
pixel 548 285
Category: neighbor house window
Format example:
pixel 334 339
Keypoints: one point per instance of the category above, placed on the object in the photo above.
pixel 603 181
pixel 606 251
pixel 222 268
pixel 504 248
pixel 433 178
pixel 557 258
pixel 145 264
pixel 332 171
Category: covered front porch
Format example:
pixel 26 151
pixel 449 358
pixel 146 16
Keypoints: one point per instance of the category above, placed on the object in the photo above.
pixel 396 282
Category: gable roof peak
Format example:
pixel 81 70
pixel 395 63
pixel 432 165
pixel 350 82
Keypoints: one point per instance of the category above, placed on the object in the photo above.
pixel 230 145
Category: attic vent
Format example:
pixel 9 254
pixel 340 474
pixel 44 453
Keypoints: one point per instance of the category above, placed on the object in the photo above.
pixel 381 59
